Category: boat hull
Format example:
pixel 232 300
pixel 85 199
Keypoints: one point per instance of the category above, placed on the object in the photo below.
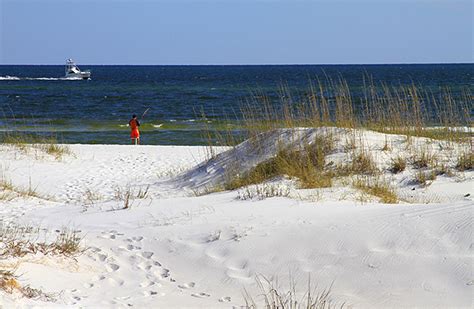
pixel 81 75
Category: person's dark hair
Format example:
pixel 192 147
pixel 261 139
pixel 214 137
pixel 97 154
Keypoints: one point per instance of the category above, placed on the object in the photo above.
pixel 134 116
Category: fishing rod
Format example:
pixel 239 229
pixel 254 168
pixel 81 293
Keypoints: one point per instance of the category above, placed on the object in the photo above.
pixel 144 113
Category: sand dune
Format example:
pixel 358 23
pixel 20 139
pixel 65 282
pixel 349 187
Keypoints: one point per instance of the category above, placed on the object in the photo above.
pixel 173 249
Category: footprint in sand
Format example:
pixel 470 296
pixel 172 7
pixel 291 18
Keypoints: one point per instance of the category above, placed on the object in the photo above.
pixel 94 249
pixel 115 282
pixel 146 284
pixel 98 278
pixel 188 285
pixel 238 270
pixel 200 295
pixel 102 257
pixel 162 273
pixel 147 254
pixel 132 247
pixel 112 267
pixel 151 293
pixel 218 254
pixel 88 285
pixel 109 236
pixel 226 299
pixel 144 266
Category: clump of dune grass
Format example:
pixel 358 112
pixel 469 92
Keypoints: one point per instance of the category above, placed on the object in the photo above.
pixel 272 296
pixel 9 284
pixel 261 192
pixel 377 187
pixel 55 150
pixel 18 241
pixel 361 163
pixel 305 163
pixel 406 109
pixel 9 191
pixel 443 169
pixel 30 142
pixel 8 281
pixel 89 198
pixel 398 165
pixel 6 190
pixel 465 161
pixel 395 109
pixel 205 190
pixel 424 178
pixel 127 195
pixel 424 158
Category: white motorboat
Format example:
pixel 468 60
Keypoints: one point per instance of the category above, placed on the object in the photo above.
pixel 72 71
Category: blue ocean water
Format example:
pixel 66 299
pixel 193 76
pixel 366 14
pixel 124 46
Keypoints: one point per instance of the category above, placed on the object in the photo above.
pixel 37 99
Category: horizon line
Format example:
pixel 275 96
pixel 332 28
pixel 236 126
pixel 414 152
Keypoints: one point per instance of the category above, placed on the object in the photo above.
pixel 245 64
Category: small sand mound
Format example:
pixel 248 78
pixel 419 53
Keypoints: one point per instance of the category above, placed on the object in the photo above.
pixel 248 154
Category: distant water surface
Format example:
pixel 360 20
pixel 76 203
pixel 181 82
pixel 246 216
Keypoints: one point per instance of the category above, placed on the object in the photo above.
pixel 37 98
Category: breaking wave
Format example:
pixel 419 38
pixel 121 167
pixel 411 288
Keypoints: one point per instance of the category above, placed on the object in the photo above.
pixel 7 77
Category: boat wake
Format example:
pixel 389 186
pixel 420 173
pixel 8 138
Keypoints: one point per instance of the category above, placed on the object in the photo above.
pixel 7 77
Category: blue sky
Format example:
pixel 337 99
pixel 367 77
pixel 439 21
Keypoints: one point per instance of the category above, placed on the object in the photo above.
pixel 236 32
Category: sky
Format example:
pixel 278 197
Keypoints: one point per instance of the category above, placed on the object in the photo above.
pixel 195 32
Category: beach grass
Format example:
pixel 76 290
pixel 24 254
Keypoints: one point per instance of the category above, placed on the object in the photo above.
pixel 18 241
pixel 408 110
pixel 398 164
pixel 127 195
pixel 465 161
pixel 306 164
pixel 272 296
pixel 378 187
pixel 9 191
pixel 27 142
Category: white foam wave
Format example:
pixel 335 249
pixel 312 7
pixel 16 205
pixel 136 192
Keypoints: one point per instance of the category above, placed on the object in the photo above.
pixel 7 77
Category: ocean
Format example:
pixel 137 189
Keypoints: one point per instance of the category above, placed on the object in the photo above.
pixel 37 100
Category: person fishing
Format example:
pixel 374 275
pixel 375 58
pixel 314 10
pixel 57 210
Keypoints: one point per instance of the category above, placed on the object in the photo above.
pixel 134 133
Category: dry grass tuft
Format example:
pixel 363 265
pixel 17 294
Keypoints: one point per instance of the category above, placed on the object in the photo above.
pixel 398 165
pixel 8 191
pixel 405 109
pixel 271 296
pixel 465 161
pixel 377 187
pixel 306 164
pixel 27 142
pixel 127 195
pixel 425 178
pixel 18 241
pixel 68 243
pixel 362 163
pixel 261 192
pixel 443 169
pixel 424 159
pixel 386 147
pixel 55 150
pixel 9 284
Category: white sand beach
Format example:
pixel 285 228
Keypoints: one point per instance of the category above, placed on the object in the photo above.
pixel 176 247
